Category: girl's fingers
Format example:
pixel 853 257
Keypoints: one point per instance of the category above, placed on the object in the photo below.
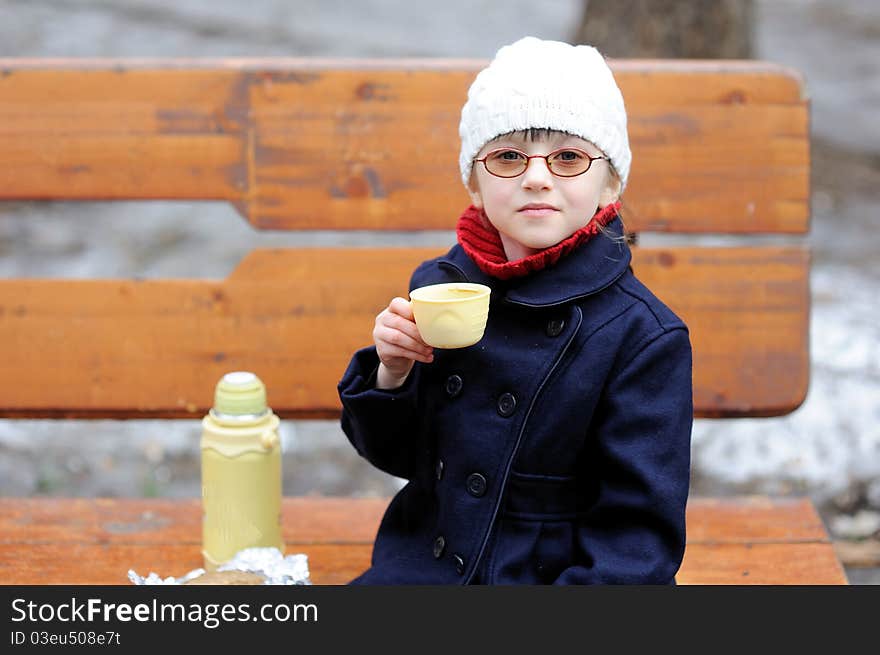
pixel 400 339
pixel 396 322
pixel 401 307
pixel 405 353
pixel 410 329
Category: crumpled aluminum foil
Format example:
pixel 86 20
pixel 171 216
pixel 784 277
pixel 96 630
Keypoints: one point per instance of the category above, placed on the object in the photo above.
pixel 268 562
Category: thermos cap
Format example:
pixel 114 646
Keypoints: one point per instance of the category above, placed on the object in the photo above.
pixel 240 393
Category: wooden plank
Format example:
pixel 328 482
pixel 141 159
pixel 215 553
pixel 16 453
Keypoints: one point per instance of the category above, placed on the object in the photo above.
pixel 199 167
pixel 305 520
pixel 768 564
pixel 78 563
pixel 308 145
pixel 764 564
pixel 751 540
pixel 108 134
pixel 758 540
pixel 747 310
pixel 739 520
pixel 753 520
pixel 294 317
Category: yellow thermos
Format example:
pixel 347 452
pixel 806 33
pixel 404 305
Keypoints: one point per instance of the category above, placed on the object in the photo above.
pixel 241 471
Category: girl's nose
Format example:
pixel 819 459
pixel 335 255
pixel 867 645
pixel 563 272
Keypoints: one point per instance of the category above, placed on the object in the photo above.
pixel 537 175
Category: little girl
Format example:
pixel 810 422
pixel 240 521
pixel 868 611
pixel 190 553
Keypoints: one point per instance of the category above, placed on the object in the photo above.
pixel 557 449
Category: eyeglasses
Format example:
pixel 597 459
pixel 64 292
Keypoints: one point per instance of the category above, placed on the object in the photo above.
pixel 510 162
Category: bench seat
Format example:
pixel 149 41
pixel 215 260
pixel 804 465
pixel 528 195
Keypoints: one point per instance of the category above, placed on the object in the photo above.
pixel 737 540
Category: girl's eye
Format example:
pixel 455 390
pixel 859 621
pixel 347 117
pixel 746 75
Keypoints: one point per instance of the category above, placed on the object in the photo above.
pixel 568 156
pixel 508 155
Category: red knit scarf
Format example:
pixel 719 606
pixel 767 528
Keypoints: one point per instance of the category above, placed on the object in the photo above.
pixel 482 243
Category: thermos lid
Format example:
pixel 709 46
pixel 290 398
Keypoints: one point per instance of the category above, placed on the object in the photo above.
pixel 240 393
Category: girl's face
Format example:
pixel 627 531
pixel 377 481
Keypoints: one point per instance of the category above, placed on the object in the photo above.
pixel 537 209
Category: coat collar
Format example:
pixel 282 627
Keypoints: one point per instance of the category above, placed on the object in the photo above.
pixel 593 266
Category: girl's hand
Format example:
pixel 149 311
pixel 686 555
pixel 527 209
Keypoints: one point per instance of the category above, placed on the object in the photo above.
pixel 398 343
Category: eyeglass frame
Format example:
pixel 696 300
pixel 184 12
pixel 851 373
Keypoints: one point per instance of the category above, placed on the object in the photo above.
pixel 546 159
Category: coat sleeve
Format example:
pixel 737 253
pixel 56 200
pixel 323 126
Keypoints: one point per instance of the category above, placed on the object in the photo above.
pixel 635 531
pixel 381 424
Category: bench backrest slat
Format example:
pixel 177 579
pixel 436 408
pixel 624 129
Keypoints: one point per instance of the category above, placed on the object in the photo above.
pixel 717 149
pixel 107 347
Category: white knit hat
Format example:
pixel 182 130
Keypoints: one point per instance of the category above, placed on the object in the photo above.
pixel 546 84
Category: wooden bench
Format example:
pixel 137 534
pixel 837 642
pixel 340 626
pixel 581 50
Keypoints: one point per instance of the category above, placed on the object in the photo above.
pixel 719 148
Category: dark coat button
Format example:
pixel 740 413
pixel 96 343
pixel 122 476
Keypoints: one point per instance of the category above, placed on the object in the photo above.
pixel 439 547
pixel 453 386
pixel 555 327
pixel 459 563
pixel 506 404
pixel 439 469
pixel 476 485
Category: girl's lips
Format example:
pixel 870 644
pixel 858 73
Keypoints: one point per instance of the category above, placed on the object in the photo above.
pixel 538 210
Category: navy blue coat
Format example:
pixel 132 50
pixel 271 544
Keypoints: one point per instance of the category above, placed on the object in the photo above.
pixel 556 450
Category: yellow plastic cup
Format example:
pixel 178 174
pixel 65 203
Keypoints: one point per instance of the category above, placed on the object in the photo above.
pixel 451 315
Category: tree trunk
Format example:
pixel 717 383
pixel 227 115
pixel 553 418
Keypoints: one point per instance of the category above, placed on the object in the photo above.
pixel 668 28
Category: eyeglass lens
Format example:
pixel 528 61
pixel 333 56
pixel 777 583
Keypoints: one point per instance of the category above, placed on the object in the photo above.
pixel 566 162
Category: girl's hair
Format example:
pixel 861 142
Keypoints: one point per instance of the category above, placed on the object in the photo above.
pixel 628 238
pixel 530 133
